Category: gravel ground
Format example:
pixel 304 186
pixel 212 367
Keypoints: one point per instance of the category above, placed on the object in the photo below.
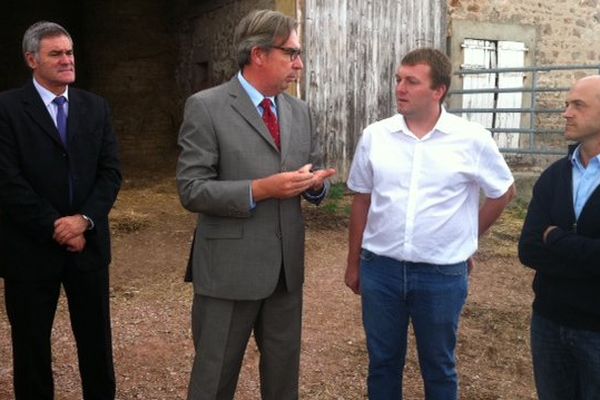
pixel 151 313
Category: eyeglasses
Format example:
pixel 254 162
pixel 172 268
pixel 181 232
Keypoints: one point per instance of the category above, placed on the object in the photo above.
pixel 290 51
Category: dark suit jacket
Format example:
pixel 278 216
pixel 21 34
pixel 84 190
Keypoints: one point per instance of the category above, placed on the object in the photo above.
pixel 239 251
pixel 34 182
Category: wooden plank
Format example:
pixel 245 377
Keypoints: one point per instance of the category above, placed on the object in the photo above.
pixel 353 49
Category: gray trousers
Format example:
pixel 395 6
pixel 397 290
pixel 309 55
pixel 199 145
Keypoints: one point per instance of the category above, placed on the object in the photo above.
pixel 221 330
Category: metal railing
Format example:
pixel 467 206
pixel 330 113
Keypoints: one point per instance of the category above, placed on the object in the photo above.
pixel 534 128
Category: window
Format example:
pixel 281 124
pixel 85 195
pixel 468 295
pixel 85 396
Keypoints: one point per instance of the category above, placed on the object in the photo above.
pixel 486 54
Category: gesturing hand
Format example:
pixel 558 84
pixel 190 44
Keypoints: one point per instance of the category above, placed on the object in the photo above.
pixel 319 178
pixel 283 185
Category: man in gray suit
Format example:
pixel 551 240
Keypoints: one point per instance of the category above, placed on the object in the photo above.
pixel 244 164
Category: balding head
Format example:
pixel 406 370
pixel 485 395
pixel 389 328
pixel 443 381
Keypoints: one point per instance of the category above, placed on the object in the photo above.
pixel 582 110
pixel 591 83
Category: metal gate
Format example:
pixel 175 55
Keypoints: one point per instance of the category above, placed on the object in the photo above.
pixel 541 124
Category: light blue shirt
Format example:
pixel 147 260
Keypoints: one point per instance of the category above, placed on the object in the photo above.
pixel 255 96
pixel 585 179
pixel 47 97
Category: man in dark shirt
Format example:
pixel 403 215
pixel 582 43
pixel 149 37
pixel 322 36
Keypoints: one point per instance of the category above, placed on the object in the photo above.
pixel 59 177
pixel 561 242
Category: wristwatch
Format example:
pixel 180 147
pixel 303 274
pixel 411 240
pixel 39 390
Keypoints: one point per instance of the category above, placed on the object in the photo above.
pixel 89 221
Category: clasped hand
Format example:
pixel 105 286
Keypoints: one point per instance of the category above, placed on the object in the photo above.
pixel 68 231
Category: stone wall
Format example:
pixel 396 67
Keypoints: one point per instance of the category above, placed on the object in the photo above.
pixel 566 33
pixel 567 30
pixel 205 36
pixel 133 49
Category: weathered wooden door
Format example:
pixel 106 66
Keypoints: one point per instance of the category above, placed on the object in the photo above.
pixel 353 48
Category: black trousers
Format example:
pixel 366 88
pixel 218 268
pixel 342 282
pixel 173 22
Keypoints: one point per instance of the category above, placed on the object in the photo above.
pixel 31 306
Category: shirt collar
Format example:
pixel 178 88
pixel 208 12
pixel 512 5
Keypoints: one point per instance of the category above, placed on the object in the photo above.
pixel 576 158
pixel 46 95
pixel 443 124
pixel 255 96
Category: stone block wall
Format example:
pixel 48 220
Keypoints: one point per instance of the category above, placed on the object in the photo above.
pixel 132 55
pixel 567 31
pixel 205 36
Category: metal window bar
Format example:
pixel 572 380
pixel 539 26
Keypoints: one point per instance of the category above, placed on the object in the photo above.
pixel 534 110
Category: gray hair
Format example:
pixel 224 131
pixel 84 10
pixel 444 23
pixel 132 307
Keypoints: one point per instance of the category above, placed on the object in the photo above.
pixel 38 31
pixel 261 28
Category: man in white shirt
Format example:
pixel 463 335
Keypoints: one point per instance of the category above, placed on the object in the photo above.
pixel 415 223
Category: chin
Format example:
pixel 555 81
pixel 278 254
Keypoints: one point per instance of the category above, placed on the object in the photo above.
pixel 569 134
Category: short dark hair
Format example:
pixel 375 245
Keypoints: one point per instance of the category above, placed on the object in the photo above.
pixel 438 62
pixel 261 28
pixel 38 31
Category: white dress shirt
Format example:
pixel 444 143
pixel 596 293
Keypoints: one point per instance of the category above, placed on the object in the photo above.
pixel 48 97
pixel 425 192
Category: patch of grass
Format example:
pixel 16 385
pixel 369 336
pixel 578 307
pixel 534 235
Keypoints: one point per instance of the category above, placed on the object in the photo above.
pixel 124 222
pixel 518 208
pixel 335 204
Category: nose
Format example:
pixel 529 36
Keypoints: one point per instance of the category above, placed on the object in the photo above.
pixel 66 59
pixel 298 64
pixel 400 87
pixel 567 113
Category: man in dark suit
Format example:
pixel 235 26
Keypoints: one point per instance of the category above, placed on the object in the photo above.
pixel 59 177
pixel 248 152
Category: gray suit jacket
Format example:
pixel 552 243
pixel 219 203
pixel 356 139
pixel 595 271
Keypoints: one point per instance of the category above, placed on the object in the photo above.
pixel 239 251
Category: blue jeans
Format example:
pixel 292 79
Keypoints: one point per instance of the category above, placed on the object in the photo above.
pixel 566 361
pixel 431 297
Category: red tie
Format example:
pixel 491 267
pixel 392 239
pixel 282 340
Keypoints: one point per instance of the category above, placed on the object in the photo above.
pixel 271 121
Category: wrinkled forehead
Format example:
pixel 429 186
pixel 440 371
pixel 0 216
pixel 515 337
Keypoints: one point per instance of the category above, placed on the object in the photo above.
pixel 56 41
pixel 586 90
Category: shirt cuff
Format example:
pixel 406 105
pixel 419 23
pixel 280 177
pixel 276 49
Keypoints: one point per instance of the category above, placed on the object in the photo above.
pixel 252 202
pixel 317 197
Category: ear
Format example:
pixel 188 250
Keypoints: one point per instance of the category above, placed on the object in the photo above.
pixel 439 92
pixel 31 61
pixel 257 55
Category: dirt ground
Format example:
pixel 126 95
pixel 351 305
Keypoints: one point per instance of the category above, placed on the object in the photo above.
pixel 151 312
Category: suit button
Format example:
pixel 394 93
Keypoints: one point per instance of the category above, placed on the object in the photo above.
pixel 278 234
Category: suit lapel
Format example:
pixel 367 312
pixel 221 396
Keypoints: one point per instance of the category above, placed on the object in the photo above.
pixel 242 104
pixel 35 108
pixel 77 112
pixel 284 111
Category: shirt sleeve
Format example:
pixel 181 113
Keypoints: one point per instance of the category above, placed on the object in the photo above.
pixel 494 175
pixel 360 178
